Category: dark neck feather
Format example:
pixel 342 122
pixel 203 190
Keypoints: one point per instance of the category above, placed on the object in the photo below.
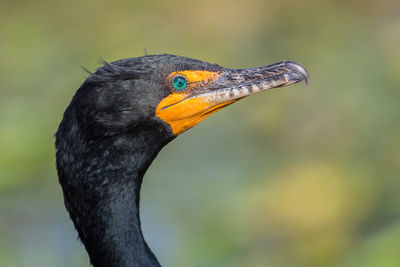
pixel 101 181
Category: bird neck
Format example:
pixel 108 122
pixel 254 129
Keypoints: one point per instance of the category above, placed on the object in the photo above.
pixel 116 237
pixel 102 196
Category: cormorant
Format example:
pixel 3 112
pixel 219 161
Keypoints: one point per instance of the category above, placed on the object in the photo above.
pixel 118 121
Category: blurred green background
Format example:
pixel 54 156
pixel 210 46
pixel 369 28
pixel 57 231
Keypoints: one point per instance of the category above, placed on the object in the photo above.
pixel 292 177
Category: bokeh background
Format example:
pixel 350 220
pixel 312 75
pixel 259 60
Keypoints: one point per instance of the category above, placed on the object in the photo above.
pixel 291 177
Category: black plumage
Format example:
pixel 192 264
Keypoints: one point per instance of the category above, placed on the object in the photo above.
pixel 108 137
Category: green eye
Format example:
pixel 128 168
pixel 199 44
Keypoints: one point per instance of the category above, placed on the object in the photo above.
pixel 179 83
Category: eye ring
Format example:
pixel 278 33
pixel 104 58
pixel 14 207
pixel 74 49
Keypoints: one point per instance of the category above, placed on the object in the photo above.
pixel 179 83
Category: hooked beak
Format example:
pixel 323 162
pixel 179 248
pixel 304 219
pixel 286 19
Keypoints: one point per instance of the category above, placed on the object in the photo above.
pixel 183 111
pixel 234 84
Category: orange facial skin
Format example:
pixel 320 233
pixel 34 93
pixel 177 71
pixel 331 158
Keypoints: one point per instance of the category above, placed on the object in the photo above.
pixel 180 110
pixel 196 79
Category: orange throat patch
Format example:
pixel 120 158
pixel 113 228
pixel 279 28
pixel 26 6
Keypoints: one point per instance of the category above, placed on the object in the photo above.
pixel 182 114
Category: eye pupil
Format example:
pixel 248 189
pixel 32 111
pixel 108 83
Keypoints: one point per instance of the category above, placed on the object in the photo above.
pixel 179 83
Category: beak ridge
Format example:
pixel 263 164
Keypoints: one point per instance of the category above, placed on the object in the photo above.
pixel 234 84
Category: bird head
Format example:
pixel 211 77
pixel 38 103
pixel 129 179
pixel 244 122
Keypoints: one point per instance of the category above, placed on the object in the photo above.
pixel 171 92
pixel 118 121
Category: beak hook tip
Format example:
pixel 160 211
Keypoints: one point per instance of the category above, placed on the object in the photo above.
pixel 301 71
